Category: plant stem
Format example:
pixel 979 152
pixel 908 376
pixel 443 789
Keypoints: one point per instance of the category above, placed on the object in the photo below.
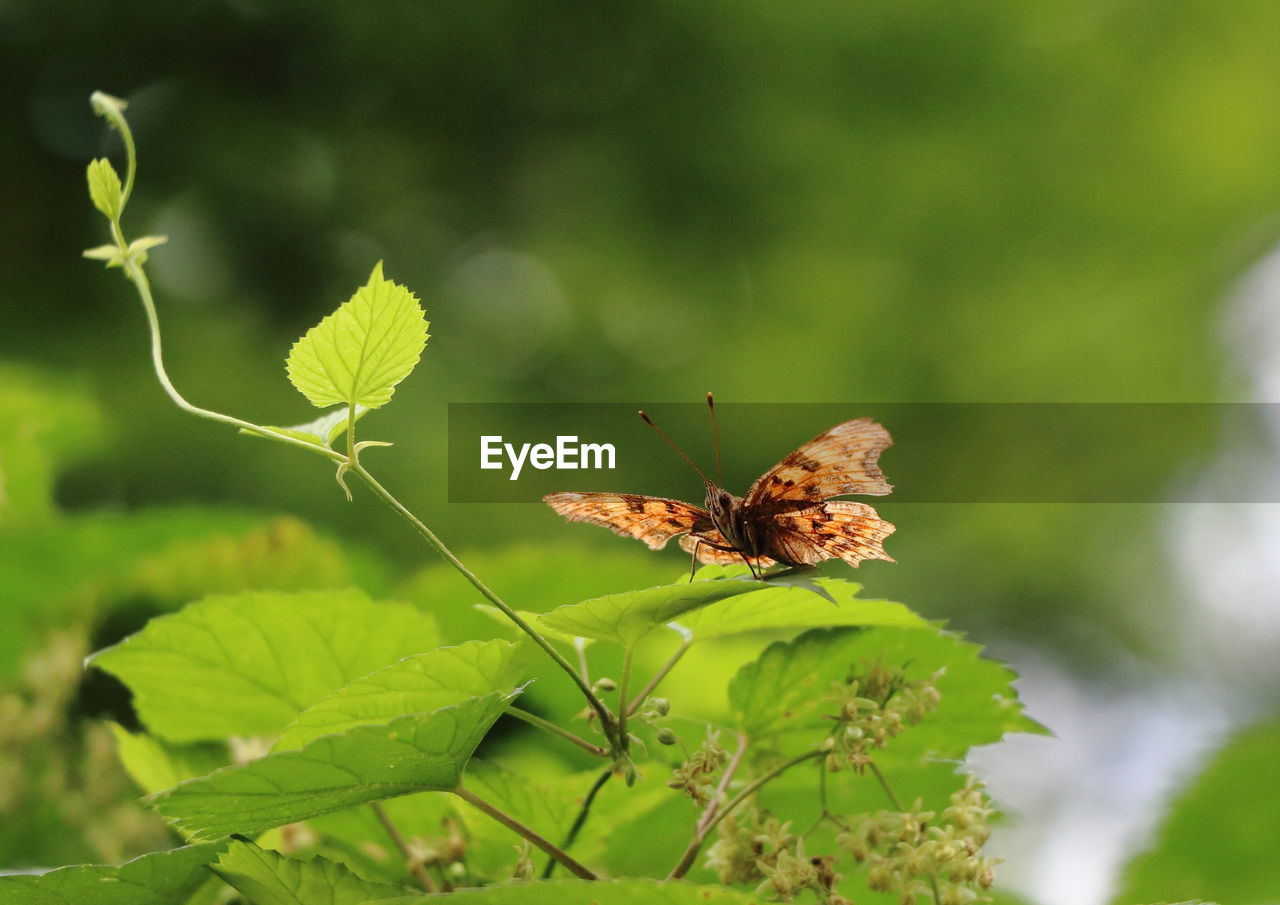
pixel 415 865
pixel 691 852
pixel 581 819
pixel 658 677
pixel 516 826
pixel 723 785
pixel 606 718
pixel 884 784
pixel 623 684
pixel 535 720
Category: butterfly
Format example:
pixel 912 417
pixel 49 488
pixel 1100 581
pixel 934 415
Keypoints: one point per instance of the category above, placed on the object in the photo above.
pixel 787 515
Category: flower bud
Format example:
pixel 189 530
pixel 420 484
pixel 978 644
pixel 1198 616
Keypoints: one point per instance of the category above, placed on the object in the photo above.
pixel 667 737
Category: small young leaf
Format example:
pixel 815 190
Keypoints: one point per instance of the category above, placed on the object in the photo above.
pixel 416 684
pixel 138 248
pixel 358 354
pixel 105 190
pixel 248 664
pixel 111 254
pixel 626 618
pixel 593 892
pixel 323 431
pixel 415 753
pixel 268 878
pixel 161 878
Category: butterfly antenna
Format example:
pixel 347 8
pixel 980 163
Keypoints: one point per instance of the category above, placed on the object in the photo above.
pixel 715 432
pixel 678 450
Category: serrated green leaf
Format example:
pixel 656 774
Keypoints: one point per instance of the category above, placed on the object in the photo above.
pixel 105 189
pixel 156 765
pixel 789 688
pixel 161 878
pixel 626 618
pixel 416 684
pixel 247 664
pixel 1218 839
pixel 358 354
pixel 323 431
pixel 268 878
pixel 597 892
pixel 415 753
pixel 811 603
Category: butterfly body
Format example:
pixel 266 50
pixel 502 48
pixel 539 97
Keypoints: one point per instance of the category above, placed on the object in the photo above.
pixel 787 516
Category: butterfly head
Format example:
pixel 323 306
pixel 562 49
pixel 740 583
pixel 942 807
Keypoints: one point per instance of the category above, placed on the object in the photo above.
pixel 720 502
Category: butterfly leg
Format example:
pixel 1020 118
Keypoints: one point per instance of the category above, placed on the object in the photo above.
pixel 693 565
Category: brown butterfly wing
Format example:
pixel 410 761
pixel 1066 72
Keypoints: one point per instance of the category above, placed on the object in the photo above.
pixel 714 548
pixel 804 535
pixel 654 520
pixel 839 461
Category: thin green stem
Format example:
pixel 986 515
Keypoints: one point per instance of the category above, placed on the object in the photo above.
pixel 516 826
pixel 623 685
pixel 581 819
pixel 548 726
pixel 351 432
pixel 657 677
pixel 723 785
pixel 691 852
pixel 884 784
pixel 139 279
pixel 415 865
pixel 606 718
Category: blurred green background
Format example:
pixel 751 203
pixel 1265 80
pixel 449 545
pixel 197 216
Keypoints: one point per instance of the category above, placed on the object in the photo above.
pixel 823 202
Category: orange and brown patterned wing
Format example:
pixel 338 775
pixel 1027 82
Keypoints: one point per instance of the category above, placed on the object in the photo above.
pixel 839 529
pixel 654 520
pixel 840 461
pixel 715 549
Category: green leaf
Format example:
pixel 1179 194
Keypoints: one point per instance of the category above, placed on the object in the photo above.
pixel 105 190
pixel 597 892
pixel 248 664
pixel 323 431
pixel 156 765
pixel 789 688
pixel 1218 840
pixel 626 618
pixel 358 354
pixel 161 878
pixel 415 753
pixel 815 603
pixel 416 684
pixel 268 878
pixel 139 247
pixel 111 255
